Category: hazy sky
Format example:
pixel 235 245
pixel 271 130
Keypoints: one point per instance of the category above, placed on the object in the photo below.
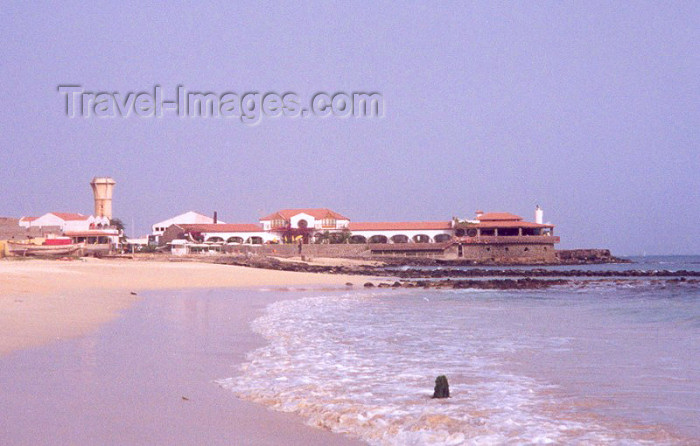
pixel 589 109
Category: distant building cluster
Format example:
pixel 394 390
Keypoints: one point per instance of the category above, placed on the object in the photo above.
pixel 95 234
pixel 488 234
pixel 320 231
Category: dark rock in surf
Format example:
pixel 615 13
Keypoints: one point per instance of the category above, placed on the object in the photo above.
pixel 442 388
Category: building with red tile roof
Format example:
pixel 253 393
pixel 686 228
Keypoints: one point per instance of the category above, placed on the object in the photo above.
pixel 190 217
pixel 498 216
pixel 66 221
pixel 490 235
pixel 317 213
pixel 291 225
pixel 217 233
pixel 400 225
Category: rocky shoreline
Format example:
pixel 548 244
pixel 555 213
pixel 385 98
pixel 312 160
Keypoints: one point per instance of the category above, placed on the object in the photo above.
pixel 525 284
pixel 477 278
pixel 415 273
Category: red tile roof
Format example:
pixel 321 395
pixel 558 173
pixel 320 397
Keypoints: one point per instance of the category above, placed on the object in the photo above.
pixel 508 224
pixel 400 225
pixel 67 216
pixel 28 218
pixel 227 227
pixel 318 214
pixel 499 216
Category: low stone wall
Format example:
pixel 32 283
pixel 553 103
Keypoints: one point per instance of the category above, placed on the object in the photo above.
pixel 431 250
pixel 498 253
pixel 522 252
pixel 311 250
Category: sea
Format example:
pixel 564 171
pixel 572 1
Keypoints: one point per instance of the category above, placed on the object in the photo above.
pixel 610 362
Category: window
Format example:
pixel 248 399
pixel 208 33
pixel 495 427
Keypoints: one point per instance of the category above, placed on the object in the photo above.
pixel 328 222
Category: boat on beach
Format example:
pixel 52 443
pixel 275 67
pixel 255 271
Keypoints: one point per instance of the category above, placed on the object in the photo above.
pixel 31 249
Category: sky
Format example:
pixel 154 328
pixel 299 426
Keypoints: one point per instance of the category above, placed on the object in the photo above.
pixel 589 109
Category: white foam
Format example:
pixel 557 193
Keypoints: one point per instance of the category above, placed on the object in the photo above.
pixel 361 364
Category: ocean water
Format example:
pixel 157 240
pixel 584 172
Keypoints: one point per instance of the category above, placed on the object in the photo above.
pixel 603 364
pixel 645 263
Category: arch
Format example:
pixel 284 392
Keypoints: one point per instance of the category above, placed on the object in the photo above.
pixel 303 224
pixel 399 238
pixel 235 240
pixel 215 240
pixel 255 240
pixel 440 238
pixel 358 239
pixel 460 232
pixel 421 238
pixel 378 239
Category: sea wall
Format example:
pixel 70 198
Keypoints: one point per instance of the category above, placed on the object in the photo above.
pixel 311 250
pixel 504 253
pixel 491 253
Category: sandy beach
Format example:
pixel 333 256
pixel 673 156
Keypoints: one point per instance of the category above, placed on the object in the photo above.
pixel 42 302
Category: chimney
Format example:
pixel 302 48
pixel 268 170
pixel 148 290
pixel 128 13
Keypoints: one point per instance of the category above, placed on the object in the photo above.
pixel 539 215
pixel 216 219
pixel 479 214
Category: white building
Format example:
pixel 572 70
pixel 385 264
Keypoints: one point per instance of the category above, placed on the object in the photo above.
pixel 237 233
pixel 188 218
pixel 326 226
pixel 67 222
pixel 317 219
pixel 401 232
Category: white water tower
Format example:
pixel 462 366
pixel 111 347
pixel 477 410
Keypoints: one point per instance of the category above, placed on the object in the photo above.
pixel 102 188
pixel 539 215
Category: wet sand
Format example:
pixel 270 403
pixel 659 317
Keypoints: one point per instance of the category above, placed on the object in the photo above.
pixel 43 301
pixel 146 377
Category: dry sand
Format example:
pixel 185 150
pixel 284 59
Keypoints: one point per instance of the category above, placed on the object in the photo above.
pixel 43 301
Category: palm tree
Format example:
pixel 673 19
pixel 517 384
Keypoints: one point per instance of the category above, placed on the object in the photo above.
pixel 117 223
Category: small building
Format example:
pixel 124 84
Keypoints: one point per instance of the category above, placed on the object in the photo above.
pixel 135 244
pixel 10 229
pixel 97 241
pixel 65 221
pixel 224 233
pixel 181 247
pixel 504 237
pixel 190 217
